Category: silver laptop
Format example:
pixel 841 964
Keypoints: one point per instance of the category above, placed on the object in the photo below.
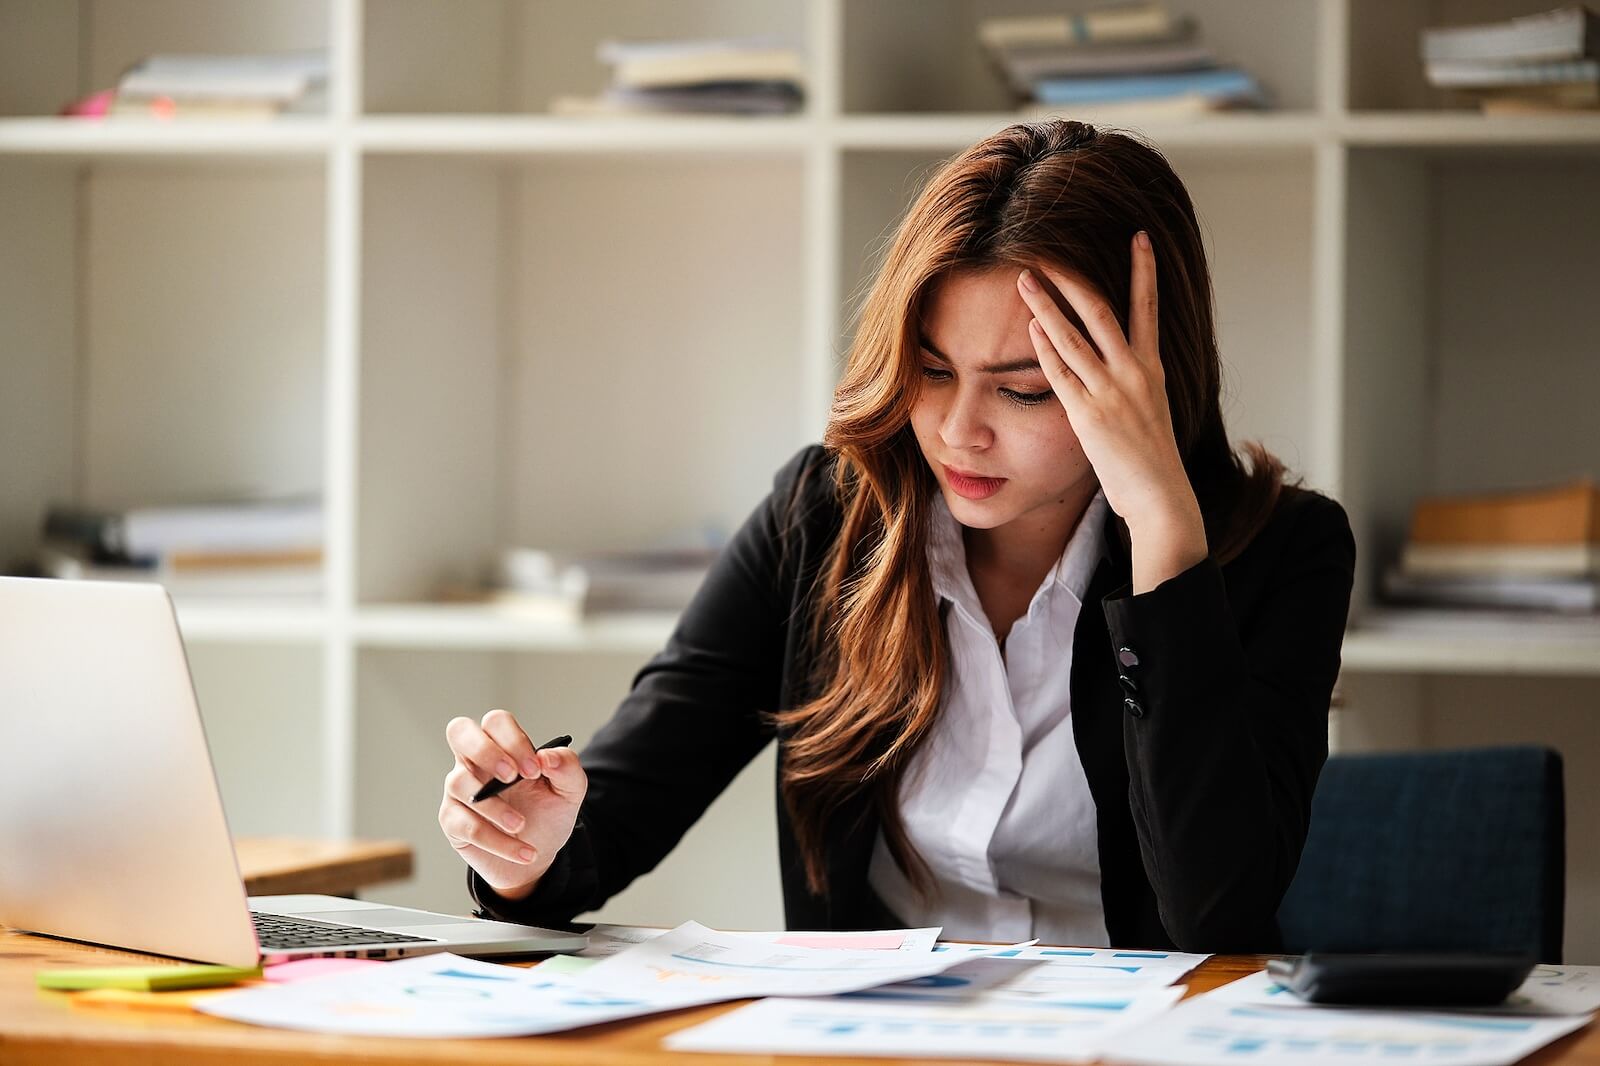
pixel 111 823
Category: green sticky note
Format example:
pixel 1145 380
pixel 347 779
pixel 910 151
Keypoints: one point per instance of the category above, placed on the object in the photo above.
pixel 557 964
pixel 146 978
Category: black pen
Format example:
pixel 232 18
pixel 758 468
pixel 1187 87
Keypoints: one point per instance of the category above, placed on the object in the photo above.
pixel 497 786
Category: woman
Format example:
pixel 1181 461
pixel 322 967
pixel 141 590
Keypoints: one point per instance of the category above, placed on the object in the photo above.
pixel 1043 656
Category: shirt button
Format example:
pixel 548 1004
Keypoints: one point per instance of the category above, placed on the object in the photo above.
pixel 1127 657
pixel 1133 707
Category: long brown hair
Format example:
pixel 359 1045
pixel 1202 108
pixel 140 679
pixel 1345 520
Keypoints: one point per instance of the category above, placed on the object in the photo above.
pixel 1058 193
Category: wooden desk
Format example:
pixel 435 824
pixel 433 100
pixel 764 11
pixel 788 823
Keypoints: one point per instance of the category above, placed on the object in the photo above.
pixel 43 1027
pixel 284 865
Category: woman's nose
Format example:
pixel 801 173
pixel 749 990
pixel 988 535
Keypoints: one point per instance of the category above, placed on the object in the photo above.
pixel 964 425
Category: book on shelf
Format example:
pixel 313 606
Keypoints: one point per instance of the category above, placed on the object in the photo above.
pixel 1568 513
pixel 567 586
pixel 1542 99
pixel 1140 55
pixel 1224 86
pixel 296 576
pixel 727 75
pixel 1408 586
pixel 1517 624
pixel 1543 62
pixel 1106 24
pixel 212 86
pixel 769 99
pixel 1184 105
pixel 1025 68
pixel 292 524
pixel 1570 32
pixel 1524 560
pixel 1534 548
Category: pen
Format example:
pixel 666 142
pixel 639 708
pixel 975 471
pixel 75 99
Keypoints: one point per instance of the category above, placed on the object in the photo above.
pixel 497 786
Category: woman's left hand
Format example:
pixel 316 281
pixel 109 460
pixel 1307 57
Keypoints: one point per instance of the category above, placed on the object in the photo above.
pixel 1115 395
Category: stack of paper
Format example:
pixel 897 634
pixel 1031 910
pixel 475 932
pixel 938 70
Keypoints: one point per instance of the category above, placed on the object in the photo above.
pixel 1257 1020
pixel 447 995
pixel 898 992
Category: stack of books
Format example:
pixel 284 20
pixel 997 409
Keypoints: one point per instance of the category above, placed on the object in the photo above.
pixel 724 75
pixel 1139 57
pixel 1544 62
pixel 566 587
pixel 174 86
pixel 269 549
pixel 1531 550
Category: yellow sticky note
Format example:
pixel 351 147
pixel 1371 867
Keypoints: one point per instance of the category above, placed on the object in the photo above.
pixel 128 999
pixel 146 978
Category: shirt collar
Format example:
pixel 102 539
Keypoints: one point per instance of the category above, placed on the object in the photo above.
pixel 947 553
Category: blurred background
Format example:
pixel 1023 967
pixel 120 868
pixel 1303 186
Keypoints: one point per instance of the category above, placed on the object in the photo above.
pixel 428 349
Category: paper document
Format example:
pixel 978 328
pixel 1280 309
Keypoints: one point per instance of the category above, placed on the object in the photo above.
pixel 1549 990
pixel 914 940
pixel 1096 964
pixel 1017 980
pixel 736 966
pixel 1211 1032
pixel 1069 1030
pixel 440 995
pixel 606 940
pixel 446 995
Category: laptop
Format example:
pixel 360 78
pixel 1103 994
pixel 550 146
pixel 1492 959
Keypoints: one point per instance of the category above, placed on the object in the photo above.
pixel 111 822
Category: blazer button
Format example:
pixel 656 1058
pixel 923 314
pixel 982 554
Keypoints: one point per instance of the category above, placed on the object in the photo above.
pixel 1127 657
pixel 1133 707
pixel 1129 685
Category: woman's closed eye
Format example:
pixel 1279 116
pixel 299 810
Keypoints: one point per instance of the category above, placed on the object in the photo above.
pixel 1026 399
pixel 1014 396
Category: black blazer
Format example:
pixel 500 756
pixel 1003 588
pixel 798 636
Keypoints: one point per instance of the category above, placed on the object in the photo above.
pixel 1200 711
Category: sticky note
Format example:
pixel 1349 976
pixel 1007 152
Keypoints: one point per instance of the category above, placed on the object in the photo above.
pixel 128 999
pixel 560 964
pixel 146 978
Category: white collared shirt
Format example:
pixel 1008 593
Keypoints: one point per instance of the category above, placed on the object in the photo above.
pixel 995 799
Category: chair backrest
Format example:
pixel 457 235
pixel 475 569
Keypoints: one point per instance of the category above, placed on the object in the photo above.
pixel 1433 851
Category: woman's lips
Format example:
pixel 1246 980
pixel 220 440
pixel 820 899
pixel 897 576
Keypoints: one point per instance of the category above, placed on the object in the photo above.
pixel 972 486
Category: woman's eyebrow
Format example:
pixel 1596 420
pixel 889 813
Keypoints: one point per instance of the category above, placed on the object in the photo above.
pixel 1010 366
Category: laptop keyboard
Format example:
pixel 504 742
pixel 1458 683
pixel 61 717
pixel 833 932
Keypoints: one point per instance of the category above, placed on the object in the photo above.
pixel 284 933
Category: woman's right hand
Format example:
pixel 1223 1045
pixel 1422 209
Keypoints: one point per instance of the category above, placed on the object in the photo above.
pixel 510 839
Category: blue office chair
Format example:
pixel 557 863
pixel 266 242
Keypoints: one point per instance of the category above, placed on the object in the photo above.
pixel 1433 851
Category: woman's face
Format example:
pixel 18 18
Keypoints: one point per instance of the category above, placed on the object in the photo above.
pixel 990 427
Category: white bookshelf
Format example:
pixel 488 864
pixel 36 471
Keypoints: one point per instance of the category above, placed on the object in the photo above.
pixel 470 323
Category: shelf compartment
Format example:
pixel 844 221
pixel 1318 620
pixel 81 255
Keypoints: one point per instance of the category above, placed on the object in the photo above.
pixel 1462 371
pixel 53 53
pixel 1386 68
pixel 516 56
pixel 169 333
pixel 911 56
pixel 535 335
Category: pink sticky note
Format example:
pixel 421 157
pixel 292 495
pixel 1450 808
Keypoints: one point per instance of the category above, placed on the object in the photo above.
pixel 865 942
pixel 300 969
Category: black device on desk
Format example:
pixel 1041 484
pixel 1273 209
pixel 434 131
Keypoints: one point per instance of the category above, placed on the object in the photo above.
pixel 1403 980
